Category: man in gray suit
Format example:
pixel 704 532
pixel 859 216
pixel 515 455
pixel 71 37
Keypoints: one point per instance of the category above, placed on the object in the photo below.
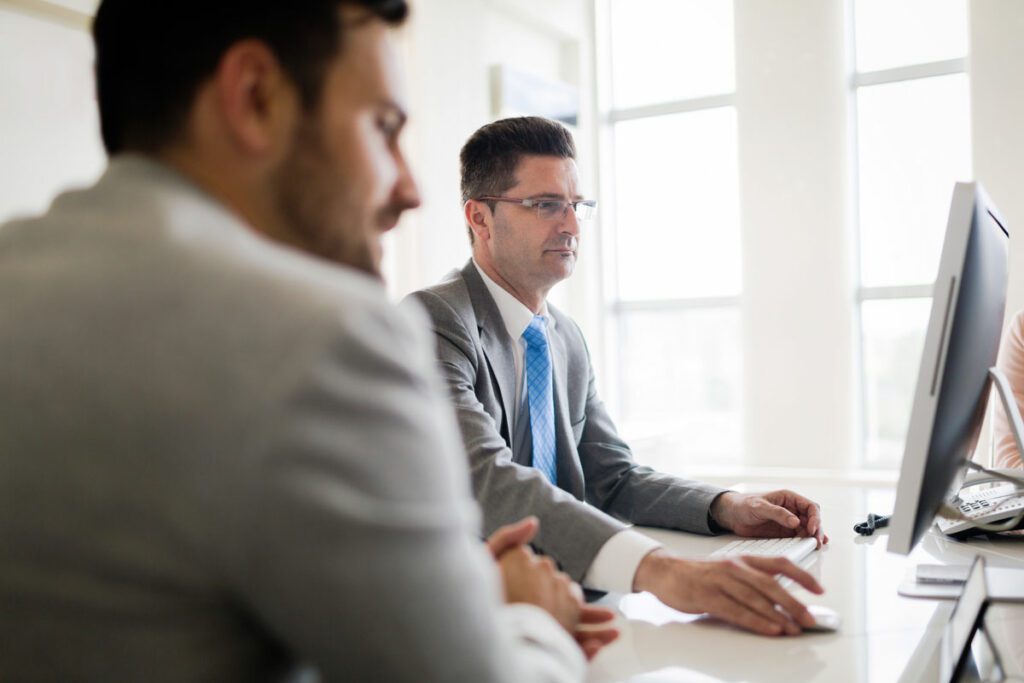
pixel 539 439
pixel 223 455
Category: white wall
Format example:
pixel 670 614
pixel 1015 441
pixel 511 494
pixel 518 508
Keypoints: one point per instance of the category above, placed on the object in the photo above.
pixel 49 126
pixel 997 126
pixel 791 100
pixel 450 46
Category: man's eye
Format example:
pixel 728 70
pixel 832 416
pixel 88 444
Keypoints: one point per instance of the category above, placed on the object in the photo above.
pixel 387 126
pixel 550 205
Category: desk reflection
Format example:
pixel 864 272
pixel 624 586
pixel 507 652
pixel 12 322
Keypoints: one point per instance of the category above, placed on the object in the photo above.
pixel 882 632
pixel 661 644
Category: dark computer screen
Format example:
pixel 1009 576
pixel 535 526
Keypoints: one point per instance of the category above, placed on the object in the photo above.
pixel 968 305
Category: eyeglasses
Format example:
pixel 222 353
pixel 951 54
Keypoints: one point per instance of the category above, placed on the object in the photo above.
pixel 552 209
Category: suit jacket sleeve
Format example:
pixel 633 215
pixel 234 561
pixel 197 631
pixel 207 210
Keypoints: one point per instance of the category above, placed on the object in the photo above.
pixel 618 485
pixel 571 531
pixel 361 552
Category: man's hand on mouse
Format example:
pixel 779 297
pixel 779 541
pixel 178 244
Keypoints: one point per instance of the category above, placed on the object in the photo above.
pixel 739 590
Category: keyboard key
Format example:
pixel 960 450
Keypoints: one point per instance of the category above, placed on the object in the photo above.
pixel 795 549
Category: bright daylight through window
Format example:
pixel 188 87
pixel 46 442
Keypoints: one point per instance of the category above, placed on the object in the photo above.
pixel 674 235
pixel 913 143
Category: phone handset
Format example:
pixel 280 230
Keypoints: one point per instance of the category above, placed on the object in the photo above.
pixel 993 476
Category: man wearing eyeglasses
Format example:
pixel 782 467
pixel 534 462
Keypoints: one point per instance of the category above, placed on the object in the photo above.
pixel 538 436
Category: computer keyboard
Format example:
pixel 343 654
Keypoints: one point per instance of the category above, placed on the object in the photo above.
pixel 795 549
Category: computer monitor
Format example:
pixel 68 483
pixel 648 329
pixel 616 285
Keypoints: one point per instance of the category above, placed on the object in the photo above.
pixel 964 328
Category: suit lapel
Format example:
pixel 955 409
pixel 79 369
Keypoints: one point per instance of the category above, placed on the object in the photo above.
pixel 494 339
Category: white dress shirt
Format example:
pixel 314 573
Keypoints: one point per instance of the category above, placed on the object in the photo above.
pixel 615 564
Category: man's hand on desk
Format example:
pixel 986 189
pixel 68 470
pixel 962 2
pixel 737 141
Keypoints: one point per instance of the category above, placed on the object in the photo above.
pixel 740 590
pixel 535 580
pixel 777 514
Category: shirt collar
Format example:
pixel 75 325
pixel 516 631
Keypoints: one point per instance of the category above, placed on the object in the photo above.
pixel 514 314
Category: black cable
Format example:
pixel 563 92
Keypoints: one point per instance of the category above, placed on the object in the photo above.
pixel 873 522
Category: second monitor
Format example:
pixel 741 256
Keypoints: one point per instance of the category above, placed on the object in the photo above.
pixel 962 342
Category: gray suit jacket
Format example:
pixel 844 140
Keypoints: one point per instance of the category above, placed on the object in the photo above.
pixel 597 477
pixel 220 458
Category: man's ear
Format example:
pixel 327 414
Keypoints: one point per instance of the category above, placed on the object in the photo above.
pixel 257 100
pixel 479 218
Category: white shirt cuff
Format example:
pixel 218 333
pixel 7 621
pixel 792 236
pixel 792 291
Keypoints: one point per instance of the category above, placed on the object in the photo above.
pixel 615 564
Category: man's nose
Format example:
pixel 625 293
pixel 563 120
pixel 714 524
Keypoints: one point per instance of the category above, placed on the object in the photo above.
pixel 570 224
pixel 406 193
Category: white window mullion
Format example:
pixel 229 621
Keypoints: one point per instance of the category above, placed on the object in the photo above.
pixel 909 73
pixel 677 107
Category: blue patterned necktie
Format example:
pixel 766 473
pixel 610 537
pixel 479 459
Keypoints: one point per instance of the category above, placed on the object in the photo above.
pixel 541 398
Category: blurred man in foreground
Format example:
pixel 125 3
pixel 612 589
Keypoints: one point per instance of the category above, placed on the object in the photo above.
pixel 224 455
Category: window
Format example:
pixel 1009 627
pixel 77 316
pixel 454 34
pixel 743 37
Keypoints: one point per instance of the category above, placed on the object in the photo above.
pixel 910 90
pixel 672 231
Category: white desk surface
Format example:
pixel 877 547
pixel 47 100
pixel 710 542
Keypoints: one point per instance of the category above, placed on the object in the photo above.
pixel 883 634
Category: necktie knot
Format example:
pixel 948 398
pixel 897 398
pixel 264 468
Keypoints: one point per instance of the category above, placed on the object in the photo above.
pixel 535 333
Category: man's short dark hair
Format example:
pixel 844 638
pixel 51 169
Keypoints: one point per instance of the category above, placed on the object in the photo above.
pixel 152 55
pixel 489 158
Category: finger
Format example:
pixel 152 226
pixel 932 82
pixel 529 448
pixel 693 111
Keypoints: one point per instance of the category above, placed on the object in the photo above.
pixel 548 564
pixel 590 649
pixel 780 565
pixel 770 591
pixel 760 592
pixel 776 513
pixel 810 512
pixel 784 498
pixel 605 635
pixel 591 614
pixel 518 560
pixel 814 520
pixel 728 609
pixel 591 646
pixel 512 535
pixel 809 528
pixel 744 590
pixel 785 600
pixel 792 501
pixel 591 642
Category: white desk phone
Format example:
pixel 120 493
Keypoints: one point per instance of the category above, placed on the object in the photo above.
pixel 996 509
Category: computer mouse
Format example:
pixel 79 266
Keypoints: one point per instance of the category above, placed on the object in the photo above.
pixel 826 620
